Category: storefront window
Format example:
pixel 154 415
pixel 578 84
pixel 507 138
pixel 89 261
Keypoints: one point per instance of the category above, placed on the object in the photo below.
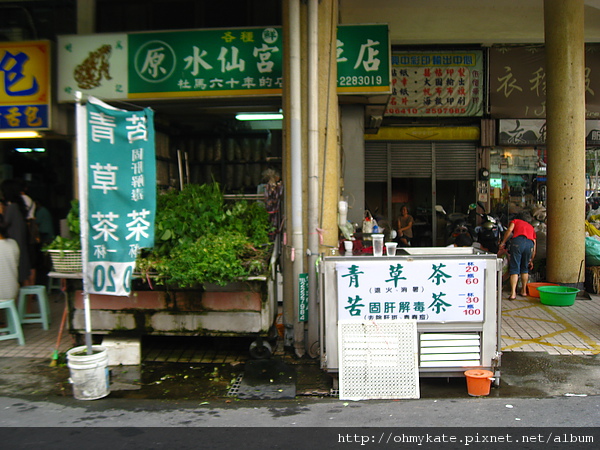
pixel 592 172
pixel 517 178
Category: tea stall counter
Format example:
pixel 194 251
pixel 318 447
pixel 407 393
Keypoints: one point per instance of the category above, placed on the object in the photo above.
pixel 453 293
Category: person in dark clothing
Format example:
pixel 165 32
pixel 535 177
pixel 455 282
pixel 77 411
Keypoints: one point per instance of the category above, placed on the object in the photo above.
pixel 12 218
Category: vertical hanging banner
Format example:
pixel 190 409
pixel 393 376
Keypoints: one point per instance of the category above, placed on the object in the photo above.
pixel 121 194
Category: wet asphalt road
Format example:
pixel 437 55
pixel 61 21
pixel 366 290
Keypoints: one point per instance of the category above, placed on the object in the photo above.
pixel 540 396
pixel 537 390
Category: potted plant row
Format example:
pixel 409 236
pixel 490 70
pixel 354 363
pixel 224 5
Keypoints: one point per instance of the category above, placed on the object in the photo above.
pixel 65 252
pixel 201 238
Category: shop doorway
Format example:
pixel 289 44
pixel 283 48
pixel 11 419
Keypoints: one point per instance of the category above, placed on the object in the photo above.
pixel 420 175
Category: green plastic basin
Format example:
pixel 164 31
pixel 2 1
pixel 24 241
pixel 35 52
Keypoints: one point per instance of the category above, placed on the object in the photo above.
pixel 557 295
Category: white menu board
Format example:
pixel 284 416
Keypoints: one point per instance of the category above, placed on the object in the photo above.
pixel 423 290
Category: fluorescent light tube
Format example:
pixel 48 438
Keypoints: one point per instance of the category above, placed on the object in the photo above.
pixel 259 116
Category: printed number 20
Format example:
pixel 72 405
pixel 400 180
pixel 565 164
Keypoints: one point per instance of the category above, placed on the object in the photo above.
pixel 106 281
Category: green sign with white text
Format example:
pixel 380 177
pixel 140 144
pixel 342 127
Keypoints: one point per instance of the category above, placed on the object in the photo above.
pixel 121 194
pixel 363 59
pixel 303 297
pixel 221 62
pixel 237 61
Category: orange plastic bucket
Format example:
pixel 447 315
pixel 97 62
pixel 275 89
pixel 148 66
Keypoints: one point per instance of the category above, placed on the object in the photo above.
pixel 479 382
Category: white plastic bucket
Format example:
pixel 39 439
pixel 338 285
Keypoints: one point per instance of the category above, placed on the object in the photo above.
pixel 89 373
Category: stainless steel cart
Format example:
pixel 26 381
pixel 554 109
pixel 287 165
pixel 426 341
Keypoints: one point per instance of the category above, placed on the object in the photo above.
pixel 454 294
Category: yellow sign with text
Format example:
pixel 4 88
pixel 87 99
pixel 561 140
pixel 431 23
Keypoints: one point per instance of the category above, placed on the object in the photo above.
pixel 24 84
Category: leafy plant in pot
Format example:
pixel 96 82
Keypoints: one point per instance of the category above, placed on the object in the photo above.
pixel 65 252
pixel 202 238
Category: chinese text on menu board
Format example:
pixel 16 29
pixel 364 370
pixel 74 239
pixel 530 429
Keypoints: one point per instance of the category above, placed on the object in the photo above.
pixel 426 291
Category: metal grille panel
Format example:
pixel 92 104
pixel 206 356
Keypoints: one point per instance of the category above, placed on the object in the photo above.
pixel 378 360
pixel 450 349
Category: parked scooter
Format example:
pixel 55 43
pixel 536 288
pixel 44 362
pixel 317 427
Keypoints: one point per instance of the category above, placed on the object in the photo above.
pixel 489 232
pixel 456 224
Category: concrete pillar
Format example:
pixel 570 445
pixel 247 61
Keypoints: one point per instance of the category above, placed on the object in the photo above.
pixel 565 139
pixel 327 178
pixel 86 16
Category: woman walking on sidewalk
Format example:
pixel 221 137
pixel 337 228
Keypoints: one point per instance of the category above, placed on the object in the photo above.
pixel 522 251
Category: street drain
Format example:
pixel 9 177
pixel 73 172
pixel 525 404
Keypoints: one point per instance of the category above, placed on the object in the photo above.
pixel 235 387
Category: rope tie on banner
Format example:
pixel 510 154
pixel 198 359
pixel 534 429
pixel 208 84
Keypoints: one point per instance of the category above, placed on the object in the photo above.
pixel 320 232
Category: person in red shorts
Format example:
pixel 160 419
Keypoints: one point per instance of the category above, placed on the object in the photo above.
pixel 521 251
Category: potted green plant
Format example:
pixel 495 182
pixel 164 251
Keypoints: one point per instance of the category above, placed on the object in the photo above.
pixel 65 252
pixel 201 238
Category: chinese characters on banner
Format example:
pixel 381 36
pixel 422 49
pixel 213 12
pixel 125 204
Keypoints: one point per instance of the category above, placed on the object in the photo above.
pixel 25 87
pixel 363 59
pixel 121 171
pixel 186 63
pixel 437 84
pixel 209 63
pixel 518 81
pixel 426 291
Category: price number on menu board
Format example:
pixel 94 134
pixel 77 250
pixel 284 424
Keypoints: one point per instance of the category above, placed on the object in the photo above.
pixel 472 301
pixel 112 278
pixel 472 309
pixel 472 274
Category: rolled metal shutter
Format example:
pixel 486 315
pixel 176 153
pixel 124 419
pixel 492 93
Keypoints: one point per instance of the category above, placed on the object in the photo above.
pixel 455 160
pixel 408 159
pixel 376 165
pixel 411 159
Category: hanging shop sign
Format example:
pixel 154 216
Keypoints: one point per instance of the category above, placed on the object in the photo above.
pixel 518 81
pixel 25 93
pixel 209 63
pixel 241 61
pixel 121 194
pixel 363 59
pixel 525 132
pixel 592 132
pixel 437 84
pixel 92 64
pixel 530 132
pixel 444 291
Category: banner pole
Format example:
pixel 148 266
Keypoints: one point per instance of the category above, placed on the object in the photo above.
pixel 81 115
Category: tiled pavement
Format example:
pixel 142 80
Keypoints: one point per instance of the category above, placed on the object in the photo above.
pixel 527 325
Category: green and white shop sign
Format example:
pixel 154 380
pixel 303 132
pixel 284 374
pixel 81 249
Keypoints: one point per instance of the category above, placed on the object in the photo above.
pixel 209 63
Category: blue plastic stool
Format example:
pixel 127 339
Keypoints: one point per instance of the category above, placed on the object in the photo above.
pixel 14 329
pixel 43 316
pixel 54 284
